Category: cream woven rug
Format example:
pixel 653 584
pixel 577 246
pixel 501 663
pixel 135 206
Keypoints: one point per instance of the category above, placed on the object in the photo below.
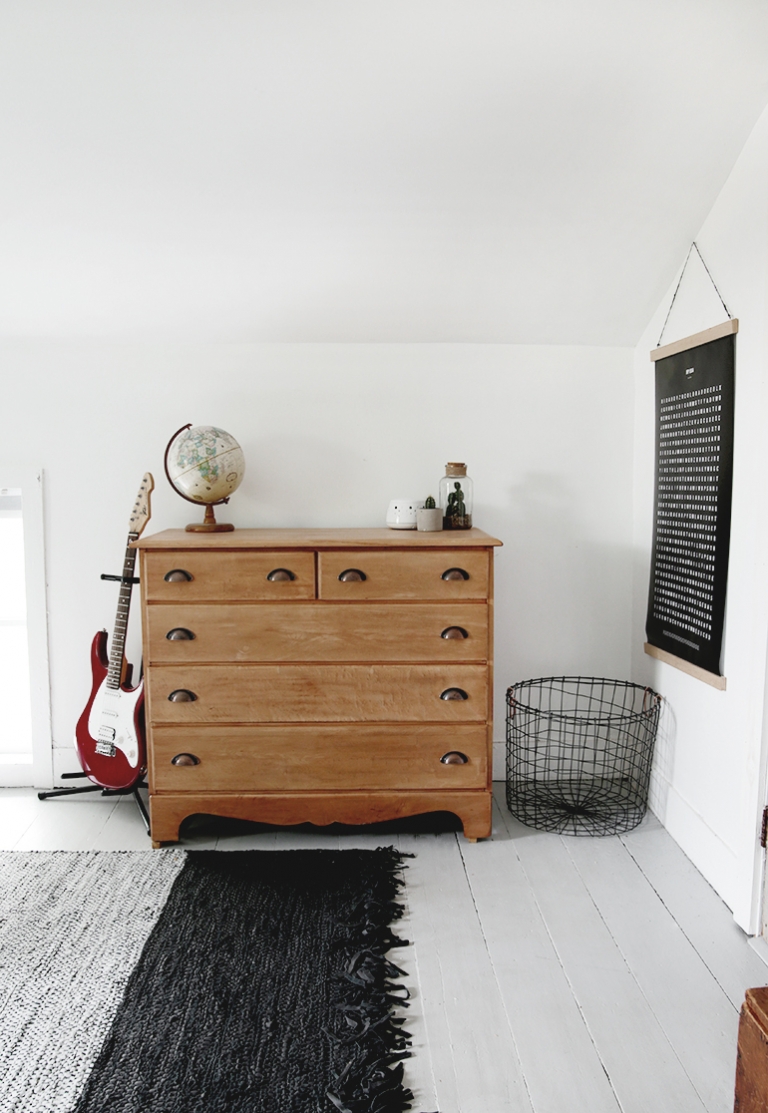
pixel 72 926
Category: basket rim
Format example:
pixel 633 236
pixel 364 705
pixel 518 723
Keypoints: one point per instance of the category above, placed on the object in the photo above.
pixel 563 716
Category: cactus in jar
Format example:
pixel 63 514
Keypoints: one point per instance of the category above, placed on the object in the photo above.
pixel 456 497
pixel 456 516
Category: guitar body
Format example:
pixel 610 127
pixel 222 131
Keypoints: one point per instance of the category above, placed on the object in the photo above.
pixel 109 737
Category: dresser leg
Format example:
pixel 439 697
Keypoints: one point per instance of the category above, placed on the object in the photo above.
pixel 474 811
pixel 165 820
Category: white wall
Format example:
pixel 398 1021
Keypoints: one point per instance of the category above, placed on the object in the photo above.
pixel 330 434
pixel 709 783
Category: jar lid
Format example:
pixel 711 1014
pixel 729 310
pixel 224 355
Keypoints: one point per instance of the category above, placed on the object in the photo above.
pixel 455 469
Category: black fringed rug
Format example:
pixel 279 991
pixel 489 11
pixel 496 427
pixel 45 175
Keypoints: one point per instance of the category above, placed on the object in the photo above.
pixel 262 986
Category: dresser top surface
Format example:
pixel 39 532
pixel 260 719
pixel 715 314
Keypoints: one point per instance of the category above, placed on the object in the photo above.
pixel 379 538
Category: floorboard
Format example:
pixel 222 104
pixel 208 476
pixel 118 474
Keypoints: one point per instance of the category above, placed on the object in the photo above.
pixel 641 1063
pixel 560 1061
pixel 18 810
pixel 693 1011
pixel 67 823
pixel 475 1060
pixel 698 910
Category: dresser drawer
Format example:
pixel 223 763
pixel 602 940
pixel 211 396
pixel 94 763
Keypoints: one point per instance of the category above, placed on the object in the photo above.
pixel 300 758
pixel 227 575
pixel 404 574
pixel 317 693
pixel 430 632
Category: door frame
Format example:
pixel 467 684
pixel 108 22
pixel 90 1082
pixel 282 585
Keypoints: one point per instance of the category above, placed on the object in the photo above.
pixel 40 772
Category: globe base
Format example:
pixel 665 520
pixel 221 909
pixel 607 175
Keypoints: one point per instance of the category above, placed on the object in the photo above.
pixel 209 523
pixel 201 527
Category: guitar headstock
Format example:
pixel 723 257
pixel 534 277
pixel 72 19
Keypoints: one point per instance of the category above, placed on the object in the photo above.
pixel 141 508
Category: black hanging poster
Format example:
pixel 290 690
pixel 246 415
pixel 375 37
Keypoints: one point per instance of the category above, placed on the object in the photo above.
pixel 692 506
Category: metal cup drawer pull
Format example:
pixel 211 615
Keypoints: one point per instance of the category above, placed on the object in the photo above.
pixel 450 633
pixel 180 634
pixel 352 575
pixel 182 695
pixel 453 757
pixel 454 693
pixel 191 759
pixel 178 576
pixel 280 575
pixel 455 574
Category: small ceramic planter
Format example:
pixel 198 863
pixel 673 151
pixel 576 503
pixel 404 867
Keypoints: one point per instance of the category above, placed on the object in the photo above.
pixel 429 520
pixel 401 513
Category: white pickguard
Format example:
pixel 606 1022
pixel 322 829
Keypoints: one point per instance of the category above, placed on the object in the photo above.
pixel 113 711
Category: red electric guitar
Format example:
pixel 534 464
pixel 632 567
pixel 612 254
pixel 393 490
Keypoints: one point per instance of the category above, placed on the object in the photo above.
pixel 109 737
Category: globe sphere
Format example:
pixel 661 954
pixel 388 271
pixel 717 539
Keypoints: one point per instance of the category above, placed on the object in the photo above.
pixel 205 464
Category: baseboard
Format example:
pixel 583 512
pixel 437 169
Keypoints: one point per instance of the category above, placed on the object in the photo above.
pixel 759 945
pixel 64 761
pixel 714 860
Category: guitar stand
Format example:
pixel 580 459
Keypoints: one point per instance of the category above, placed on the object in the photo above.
pixel 104 792
pixel 134 790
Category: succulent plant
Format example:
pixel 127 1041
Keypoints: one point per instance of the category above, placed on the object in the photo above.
pixel 429 504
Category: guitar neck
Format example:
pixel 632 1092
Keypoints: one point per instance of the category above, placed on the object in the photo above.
pixel 117 648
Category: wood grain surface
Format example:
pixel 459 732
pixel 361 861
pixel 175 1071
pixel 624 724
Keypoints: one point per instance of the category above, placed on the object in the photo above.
pixel 326 632
pixel 310 693
pixel 403 576
pixel 227 576
pixel 311 539
pixel 303 757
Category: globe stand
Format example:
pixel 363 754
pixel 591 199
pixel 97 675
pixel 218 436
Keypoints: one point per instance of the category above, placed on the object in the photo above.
pixel 209 523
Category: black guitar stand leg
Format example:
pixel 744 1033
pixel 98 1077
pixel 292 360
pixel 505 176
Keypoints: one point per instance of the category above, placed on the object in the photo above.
pixel 140 804
pixel 70 791
pixel 134 792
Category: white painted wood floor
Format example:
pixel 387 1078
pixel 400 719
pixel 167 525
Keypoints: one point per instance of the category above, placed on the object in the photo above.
pixel 549 974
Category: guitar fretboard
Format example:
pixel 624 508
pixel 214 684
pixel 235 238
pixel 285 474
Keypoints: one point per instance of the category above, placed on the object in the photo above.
pixel 117 648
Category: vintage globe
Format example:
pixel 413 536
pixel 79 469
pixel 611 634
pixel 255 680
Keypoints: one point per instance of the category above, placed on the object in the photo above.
pixel 204 464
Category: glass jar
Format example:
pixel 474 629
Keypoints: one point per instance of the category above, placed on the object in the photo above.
pixel 456 497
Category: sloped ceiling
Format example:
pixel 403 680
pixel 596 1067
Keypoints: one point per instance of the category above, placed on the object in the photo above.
pixel 345 170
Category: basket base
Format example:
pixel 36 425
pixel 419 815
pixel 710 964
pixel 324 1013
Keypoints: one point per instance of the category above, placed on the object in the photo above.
pixel 577 807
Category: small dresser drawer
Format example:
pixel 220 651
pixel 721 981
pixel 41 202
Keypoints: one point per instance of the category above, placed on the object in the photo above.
pixel 192 576
pixel 317 693
pixel 430 632
pixel 300 758
pixel 403 575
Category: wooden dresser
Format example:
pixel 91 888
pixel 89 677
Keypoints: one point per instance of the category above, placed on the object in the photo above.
pixel 318 675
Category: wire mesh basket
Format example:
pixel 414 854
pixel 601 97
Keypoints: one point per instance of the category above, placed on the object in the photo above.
pixel 579 753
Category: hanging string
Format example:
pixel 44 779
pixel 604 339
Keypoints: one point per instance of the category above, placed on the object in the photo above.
pixel 711 279
pixel 680 279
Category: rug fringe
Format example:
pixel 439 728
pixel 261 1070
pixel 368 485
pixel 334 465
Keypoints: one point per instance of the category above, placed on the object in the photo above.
pixel 368 1039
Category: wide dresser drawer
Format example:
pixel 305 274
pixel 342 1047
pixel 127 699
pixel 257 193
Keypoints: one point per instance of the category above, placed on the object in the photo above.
pixel 300 758
pixel 205 632
pixel 317 693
